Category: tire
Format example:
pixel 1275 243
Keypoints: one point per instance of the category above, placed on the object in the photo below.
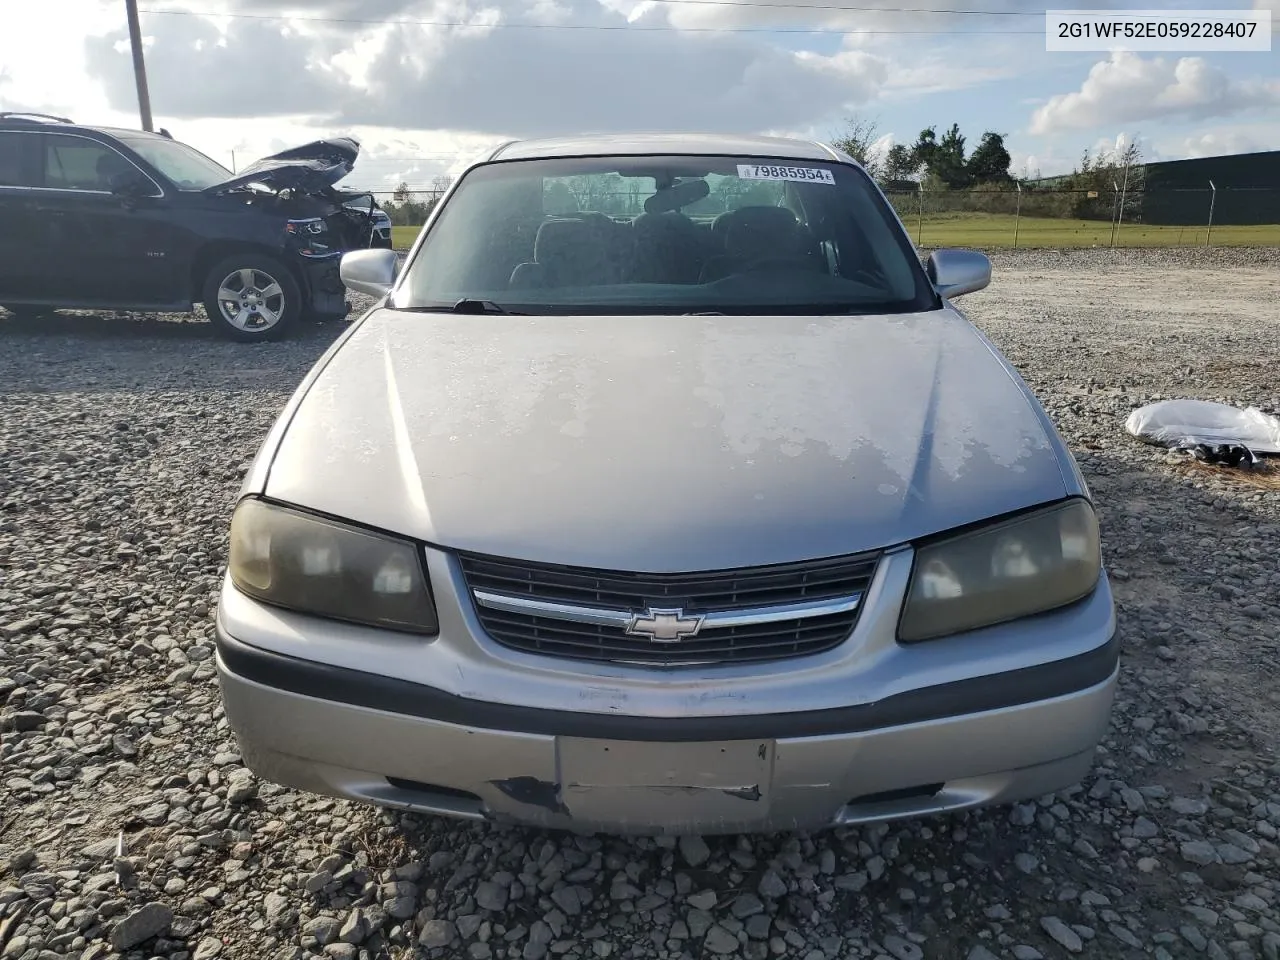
pixel 251 296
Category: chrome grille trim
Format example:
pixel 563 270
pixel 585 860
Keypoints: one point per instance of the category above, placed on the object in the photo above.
pixel 702 618
pixel 623 619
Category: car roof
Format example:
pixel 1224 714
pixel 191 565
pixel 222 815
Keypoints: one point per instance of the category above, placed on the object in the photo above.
pixel 47 124
pixel 638 144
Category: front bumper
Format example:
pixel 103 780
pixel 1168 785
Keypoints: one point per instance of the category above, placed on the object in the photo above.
pixel 630 777
pixel 327 297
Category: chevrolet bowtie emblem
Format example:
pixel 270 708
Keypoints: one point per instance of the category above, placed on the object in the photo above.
pixel 664 625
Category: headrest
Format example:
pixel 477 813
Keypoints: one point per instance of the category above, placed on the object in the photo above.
pixel 651 223
pixel 562 239
pixel 758 231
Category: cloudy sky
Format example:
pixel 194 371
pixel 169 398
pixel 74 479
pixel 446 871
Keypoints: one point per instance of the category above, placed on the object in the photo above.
pixel 427 84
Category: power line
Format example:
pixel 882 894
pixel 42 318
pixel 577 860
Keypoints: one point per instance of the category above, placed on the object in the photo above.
pixel 854 8
pixel 276 17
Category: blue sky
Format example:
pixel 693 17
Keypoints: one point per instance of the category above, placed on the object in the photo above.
pixel 423 96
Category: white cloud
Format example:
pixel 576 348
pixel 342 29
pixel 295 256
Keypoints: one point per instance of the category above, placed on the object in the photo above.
pixel 497 78
pixel 1240 138
pixel 1217 144
pixel 1128 88
pixel 942 75
pixel 424 99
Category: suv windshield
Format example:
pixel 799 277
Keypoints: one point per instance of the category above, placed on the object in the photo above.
pixel 677 234
pixel 187 167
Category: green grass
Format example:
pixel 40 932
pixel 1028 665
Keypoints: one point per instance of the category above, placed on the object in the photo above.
pixel 996 231
pixel 402 237
pixel 993 231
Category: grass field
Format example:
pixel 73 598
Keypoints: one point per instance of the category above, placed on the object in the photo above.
pixel 995 231
pixel 402 237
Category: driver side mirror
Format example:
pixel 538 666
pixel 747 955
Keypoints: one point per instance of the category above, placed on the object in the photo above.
pixel 957 272
pixel 372 272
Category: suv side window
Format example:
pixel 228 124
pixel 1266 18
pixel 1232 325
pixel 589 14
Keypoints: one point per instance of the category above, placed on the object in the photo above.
pixel 19 166
pixel 76 163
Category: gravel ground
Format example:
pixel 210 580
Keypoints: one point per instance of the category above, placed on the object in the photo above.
pixel 129 827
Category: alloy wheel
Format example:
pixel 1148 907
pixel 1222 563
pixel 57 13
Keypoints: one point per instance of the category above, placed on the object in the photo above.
pixel 251 300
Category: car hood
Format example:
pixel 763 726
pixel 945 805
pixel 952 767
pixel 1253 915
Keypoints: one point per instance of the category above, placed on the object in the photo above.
pixel 661 444
pixel 309 168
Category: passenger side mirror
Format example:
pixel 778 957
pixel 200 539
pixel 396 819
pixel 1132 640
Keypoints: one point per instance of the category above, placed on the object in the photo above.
pixel 372 272
pixel 957 272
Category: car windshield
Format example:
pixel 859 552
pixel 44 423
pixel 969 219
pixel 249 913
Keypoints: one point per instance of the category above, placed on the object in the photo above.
pixel 677 234
pixel 187 167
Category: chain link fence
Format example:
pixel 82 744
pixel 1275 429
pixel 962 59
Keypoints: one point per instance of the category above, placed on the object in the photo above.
pixel 1036 217
pixel 1008 217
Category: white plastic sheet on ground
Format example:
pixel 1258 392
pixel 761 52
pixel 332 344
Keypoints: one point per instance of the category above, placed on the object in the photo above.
pixel 1182 424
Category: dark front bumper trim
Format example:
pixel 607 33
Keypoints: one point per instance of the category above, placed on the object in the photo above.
pixel 389 695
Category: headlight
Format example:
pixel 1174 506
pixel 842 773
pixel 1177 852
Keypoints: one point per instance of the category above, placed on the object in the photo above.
pixel 313 236
pixel 312 226
pixel 1011 569
pixel 312 565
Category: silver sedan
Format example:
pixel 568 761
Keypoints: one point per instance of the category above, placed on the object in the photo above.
pixel 665 490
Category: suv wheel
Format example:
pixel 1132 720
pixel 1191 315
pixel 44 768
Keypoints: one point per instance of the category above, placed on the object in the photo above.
pixel 251 296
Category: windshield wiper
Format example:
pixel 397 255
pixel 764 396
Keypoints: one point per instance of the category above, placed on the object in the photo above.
pixel 478 306
pixel 465 305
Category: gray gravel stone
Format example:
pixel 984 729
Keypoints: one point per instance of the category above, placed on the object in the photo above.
pixel 702 900
pixel 771 886
pixel 746 905
pixel 124 444
pixel 490 896
pixel 721 941
pixel 694 850
pixel 436 934
pixel 1199 851
pixel 1063 934
pixel 355 929
pixel 1145 829
pixel 902 949
pixel 141 925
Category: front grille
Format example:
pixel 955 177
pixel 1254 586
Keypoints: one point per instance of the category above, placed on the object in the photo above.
pixel 725 591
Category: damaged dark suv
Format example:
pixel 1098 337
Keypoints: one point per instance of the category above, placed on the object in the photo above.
pixel 100 218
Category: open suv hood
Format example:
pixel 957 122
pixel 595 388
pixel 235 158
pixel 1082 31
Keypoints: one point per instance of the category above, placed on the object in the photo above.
pixel 310 168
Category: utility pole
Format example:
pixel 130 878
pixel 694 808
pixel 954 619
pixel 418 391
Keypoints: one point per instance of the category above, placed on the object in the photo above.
pixel 1115 208
pixel 1213 198
pixel 1017 213
pixel 1123 191
pixel 139 67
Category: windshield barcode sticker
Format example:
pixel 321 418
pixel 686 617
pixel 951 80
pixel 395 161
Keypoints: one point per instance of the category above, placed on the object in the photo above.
pixel 754 171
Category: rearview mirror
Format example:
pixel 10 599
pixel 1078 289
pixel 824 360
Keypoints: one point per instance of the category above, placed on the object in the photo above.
pixel 957 272
pixel 371 272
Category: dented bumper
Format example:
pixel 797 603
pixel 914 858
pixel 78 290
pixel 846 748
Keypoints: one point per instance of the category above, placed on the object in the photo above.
pixel 640 775
pixel 870 730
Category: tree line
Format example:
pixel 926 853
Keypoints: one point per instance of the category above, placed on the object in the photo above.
pixel 981 181
pixel 975 181
pixel 410 208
